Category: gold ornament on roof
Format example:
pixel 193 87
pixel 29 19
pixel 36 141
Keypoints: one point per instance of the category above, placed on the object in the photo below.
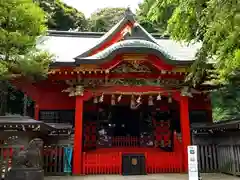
pixel 79 90
pixel 131 67
pixel 75 88
pixel 186 91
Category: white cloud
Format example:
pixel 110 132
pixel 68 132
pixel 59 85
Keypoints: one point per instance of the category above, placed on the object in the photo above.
pixel 89 6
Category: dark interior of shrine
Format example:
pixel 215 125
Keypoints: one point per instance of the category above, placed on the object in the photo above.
pixel 132 122
pixel 125 121
pixel 147 124
pixel 123 124
pixel 100 111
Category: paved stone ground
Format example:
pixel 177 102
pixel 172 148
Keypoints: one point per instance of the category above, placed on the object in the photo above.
pixel 211 176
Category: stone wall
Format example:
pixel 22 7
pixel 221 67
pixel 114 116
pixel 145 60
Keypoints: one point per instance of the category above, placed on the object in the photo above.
pixel 23 138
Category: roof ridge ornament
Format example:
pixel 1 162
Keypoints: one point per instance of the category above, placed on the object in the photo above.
pixel 128 12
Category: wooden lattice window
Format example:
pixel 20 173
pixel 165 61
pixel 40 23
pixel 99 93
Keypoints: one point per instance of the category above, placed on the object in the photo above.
pixel 49 116
pixel 198 116
pixel 57 116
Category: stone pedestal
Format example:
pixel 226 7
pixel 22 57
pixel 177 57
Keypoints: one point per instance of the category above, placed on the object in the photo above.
pixel 25 174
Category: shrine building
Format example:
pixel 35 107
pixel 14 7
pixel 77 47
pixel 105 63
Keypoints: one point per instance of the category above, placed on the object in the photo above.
pixel 125 94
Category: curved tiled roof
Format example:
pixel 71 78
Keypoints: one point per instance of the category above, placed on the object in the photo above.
pixel 128 17
pixel 128 44
pixel 65 46
pixel 74 48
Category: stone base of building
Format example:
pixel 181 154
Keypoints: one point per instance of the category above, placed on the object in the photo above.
pixel 25 174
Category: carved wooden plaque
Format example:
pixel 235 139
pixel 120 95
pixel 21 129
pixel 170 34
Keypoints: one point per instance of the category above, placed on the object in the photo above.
pixel 134 161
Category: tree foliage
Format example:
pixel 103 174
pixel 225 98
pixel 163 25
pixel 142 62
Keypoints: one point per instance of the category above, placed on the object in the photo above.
pixel 149 20
pixel 104 19
pixel 216 23
pixel 21 23
pixel 63 17
pixel 226 103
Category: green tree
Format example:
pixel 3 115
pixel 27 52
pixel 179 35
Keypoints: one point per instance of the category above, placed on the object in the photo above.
pixel 62 17
pixel 21 23
pixel 226 100
pixel 216 24
pixel 151 22
pixel 226 103
pixel 104 19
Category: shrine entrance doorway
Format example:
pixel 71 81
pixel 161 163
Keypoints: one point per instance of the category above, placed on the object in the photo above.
pixel 126 121
pixel 132 126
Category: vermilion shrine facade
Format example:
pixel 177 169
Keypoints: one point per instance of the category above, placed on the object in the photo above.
pixel 130 104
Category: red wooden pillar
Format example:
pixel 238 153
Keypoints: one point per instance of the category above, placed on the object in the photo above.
pixel 185 129
pixel 77 151
pixel 36 112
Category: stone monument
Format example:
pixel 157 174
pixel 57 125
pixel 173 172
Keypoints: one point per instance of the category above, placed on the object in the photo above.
pixel 27 164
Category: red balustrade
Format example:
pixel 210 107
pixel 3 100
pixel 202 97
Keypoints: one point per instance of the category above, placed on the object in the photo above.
pixel 163 162
pixel 109 160
pixel 111 163
pixel 102 163
pixel 122 141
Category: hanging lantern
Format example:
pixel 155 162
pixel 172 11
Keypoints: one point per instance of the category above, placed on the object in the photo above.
pixel 133 103
pixel 119 98
pixel 162 143
pixel 169 99
pixel 113 102
pixel 186 91
pixel 95 100
pixel 71 94
pixel 139 100
pixel 101 98
pixel 169 143
pixel 150 101
pixel 79 90
pixel 159 97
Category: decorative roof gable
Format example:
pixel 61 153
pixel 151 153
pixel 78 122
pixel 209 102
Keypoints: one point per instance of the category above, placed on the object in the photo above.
pixel 113 35
pixel 124 37
pixel 127 36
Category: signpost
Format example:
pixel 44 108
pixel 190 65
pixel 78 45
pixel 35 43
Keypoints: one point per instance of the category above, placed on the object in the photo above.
pixel 193 173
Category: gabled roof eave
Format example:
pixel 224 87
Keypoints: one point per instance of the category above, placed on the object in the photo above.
pixel 109 35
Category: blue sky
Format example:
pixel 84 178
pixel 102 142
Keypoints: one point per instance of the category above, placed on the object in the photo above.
pixel 89 6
